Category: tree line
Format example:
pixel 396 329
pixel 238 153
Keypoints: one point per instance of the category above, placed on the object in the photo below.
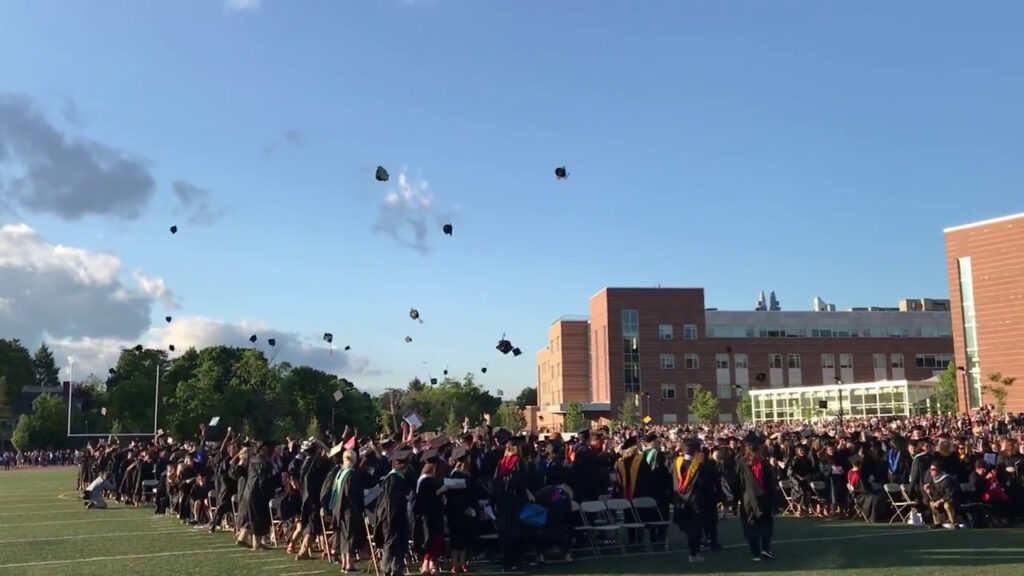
pixel 239 386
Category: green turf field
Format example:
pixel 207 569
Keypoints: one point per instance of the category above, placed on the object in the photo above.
pixel 45 530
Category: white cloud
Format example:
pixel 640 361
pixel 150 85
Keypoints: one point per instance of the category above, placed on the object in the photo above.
pixel 408 214
pixel 242 5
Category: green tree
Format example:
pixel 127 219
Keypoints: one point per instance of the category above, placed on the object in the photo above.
pixel 999 389
pixel 45 368
pixel 704 406
pixel 452 426
pixel 745 408
pixel 947 400
pixel 628 411
pixel 573 417
pixel 528 397
pixel 48 422
pixel 16 366
pixel 22 436
pixel 313 430
pixel 509 416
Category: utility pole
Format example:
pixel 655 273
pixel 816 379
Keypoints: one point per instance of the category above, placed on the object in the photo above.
pixel 156 400
pixel 71 388
pixel 839 392
pixel 394 415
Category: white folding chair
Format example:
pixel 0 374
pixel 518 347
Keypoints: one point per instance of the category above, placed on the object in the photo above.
pixel 623 514
pixel 853 502
pixel 600 521
pixel 648 512
pixel 786 487
pixel 901 504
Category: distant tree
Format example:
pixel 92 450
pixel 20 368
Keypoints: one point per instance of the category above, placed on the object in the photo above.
pixel 45 367
pixel 947 400
pixel 313 429
pixel 745 408
pixel 573 417
pixel 48 422
pixel 94 383
pixel 417 385
pixel 999 389
pixel 16 365
pixel 22 436
pixel 509 416
pixel 628 411
pixel 452 426
pixel 528 397
pixel 704 406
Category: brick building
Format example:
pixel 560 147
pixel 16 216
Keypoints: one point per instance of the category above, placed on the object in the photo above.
pixel 663 344
pixel 985 262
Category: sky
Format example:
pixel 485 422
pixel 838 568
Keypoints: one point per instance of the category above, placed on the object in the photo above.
pixel 808 148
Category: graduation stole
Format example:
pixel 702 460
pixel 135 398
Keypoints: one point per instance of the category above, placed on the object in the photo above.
pixel 651 456
pixel 337 486
pixel 628 482
pixel 691 471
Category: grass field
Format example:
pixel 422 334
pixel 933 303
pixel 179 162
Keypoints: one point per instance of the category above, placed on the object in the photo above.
pixel 44 529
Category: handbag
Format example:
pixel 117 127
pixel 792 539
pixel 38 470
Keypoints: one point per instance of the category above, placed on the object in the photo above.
pixel 533 515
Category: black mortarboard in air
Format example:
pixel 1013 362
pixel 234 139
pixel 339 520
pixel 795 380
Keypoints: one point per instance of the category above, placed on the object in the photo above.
pixel 347 347
pixel 445 371
pixel 381 175
pixel 174 229
pixel 408 339
pixel 414 314
pixel 272 341
pixel 629 443
pixel 753 439
pixel 433 381
pixel 139 348
pixel 560 173
pixel 447 229
pixel 516 351
pixel 328 337
pixel 651 438
pixel 171 347
pixel 168 319
pixel 761 376
pixel 253 338
pixel 504 346
pixel 401 456
pixel 483 370
pixel 112 372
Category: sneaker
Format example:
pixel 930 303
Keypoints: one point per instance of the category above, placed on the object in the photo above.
pixel 696 559
pixel 768 554
pixel 755 558
pixel 949 526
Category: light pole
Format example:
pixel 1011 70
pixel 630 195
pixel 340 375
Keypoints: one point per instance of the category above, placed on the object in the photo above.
pixel 967 390
pixel 156 400
pixel 839 392
pixel 71 388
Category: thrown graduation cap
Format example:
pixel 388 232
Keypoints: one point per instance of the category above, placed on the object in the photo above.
pixel 112 372
pixel 272 341
pixel 433 381
pixel 483 370
pixel 253 338
pixel 560 173
pixel 171 347
pixel 516 351
pixel 415 314
pixel 447 229
pixel 138 348
pixel 328 337
pixel 445 371
pixel 338 395
pixel 408 339
pixel 504 346
pixel 174 229
pixel 214 421
pixel 381 175
pixel 347 347
pixel 168 319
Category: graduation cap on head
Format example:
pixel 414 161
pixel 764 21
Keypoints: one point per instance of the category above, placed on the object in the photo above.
pixel 447 229
pixel 271 444
pixel 561 173
pixel 381 175
pixel 440 442
pixel 629 443
pixel 753 439
pixel 856 460
pixel 692 442
pixel 504 346
pixel 459 453
pixel 174 229
pixel 502 435
pixel 651 438
pixel 386 441
pixel 807 433
pixel 168 319
pixel 802 447
pixel 584 433
pixel 825 439
pixel 401 456
pixel 253 338
pixel 430 456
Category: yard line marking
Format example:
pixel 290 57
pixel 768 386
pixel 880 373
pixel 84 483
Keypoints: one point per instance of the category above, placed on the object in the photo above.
pixel 54 511
pixel 81 536
pixel 106 558
pixel 68 522
pixel 279 566
pixel 302 573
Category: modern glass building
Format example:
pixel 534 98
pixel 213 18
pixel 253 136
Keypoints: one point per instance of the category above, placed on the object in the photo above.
pixel 884 398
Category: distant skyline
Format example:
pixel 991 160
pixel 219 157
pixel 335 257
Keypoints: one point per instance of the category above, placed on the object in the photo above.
pixel 814 150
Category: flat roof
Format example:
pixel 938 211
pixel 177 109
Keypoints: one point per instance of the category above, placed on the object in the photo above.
pixel 571 318
pixel 984 222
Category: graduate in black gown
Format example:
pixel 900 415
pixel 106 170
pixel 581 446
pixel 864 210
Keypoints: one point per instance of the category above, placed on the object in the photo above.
pixel 696 494
pixel 312 474
pixel 227 486
pixel 871 502
pixel 757 498
pixel 633 476
pixel 461 507
pixel 260 486
pixel 392 530
pixel 428 513
pixel 509 494
pixel 346 506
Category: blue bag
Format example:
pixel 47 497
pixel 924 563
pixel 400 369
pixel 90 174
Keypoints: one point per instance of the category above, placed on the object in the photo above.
pixel 534 515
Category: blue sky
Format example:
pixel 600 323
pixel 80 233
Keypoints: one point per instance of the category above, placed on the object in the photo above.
pixel 810 148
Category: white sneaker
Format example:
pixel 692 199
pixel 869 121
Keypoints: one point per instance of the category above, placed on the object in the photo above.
pixel 696 559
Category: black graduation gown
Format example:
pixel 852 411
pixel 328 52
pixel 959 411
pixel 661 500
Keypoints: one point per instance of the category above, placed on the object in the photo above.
pixel 313 472
pixel 630 487
pixel 871 502
pixel 428 513
pixel 700 496
pixel 259 491
pixel 240 473
pixel 392 530
pixel 800 471
pixel 757 504
pixel 227 485
pixel 346 505
pixel 508 498
pixel 461 508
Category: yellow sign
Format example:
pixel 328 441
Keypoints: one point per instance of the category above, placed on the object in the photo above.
pixel 647 419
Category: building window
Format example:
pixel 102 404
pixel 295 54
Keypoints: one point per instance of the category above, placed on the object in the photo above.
pixel 668 361
pixel 879 361
pixel 828 361
pixel 630 324
pixel 668 391
pixel 631 351
pixel 722 361
pixel 793 361
pixel 665 331
pixel 692 362
pixel 846 360
pixel 691 390
pixel 896 360
pixel 741 361
pixel 724 390
pixel 936 361
pixel 775 360
pixel 689 331
pixel 669 419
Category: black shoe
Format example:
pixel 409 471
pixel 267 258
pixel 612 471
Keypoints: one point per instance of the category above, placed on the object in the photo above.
pixel 768 555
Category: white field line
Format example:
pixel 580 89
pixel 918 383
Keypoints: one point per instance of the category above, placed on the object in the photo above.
pixel 83 536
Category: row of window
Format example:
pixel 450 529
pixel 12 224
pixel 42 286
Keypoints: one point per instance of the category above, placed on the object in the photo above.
pixel 692 361
pixel 730 331
pixel 665 332
pixel 668 391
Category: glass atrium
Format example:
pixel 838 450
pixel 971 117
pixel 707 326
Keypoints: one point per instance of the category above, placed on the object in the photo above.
pixel 885 398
